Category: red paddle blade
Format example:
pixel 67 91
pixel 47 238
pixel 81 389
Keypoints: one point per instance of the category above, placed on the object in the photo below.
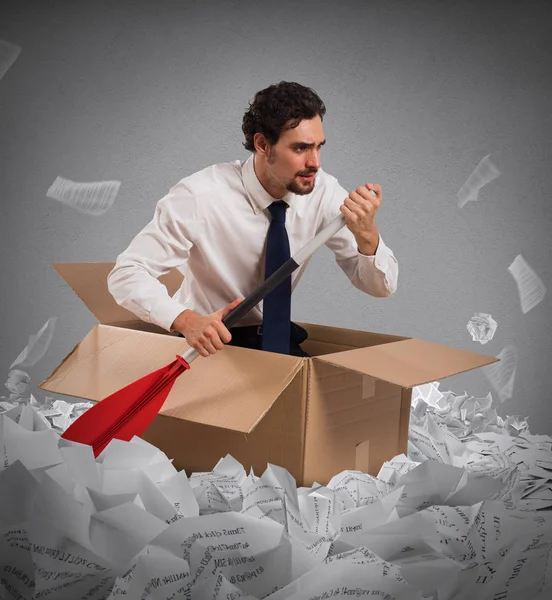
pixel 128 411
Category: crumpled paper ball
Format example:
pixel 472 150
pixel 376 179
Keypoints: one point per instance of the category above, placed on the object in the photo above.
pixel 18 383
pixel 482 327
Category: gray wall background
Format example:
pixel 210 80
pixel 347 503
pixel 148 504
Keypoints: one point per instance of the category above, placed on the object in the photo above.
pixel 148 92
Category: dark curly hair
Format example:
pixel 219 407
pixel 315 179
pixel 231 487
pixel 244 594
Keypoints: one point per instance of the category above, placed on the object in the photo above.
pixel 277 104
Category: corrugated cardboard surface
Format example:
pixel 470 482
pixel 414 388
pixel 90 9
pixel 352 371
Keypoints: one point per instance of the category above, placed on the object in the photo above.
pixel 408 362
pixel 339 419
pixel 89 282
pixel 324 340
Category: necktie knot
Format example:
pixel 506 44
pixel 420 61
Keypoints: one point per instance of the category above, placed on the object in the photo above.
pixel 278 211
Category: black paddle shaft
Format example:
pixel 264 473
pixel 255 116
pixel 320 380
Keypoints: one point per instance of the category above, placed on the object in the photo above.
pixel 261 292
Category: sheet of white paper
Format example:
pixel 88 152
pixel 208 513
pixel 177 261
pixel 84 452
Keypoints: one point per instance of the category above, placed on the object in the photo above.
pixel 502 374
pixel 530 286
pixel 18 490
pixel 361 488
pixel 220 490
pixel 79 459
pixel 121 532
pixel 179 493
pixel 219 588
pixel 483 174
pixel 94 198
pixel 8 55
pixel 254 554
pixel 17 576
pixel 66 570
pixel 35 449
pixel 36 347
pixel 345 578
pixel 159 575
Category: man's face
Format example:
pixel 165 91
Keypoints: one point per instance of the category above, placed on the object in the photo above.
pixel 295 159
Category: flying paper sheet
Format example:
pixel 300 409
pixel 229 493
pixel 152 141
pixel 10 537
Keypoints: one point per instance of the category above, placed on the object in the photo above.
pixel 37 346
pixel 8 55
pixel 531 288
pixel 502 374
pixel 483 174
pixel 94 198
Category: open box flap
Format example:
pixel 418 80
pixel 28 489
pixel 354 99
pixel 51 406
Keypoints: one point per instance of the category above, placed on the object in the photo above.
pixel 408 362
pixel 348 338
pixel 232 389
pixel 89 282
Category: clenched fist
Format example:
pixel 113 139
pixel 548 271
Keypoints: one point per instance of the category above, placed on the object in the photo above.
pixel 359 210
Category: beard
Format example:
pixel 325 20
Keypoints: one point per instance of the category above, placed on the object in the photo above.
pixel 299 187
pixel 296 185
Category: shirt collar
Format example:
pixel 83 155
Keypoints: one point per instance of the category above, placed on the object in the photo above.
pixel 259 198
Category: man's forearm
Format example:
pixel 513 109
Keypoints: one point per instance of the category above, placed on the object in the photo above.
pixel 368 243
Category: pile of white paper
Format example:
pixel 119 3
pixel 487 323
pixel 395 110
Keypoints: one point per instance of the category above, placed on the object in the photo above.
pixel 460 517
pixel 57 414
pixel 467 432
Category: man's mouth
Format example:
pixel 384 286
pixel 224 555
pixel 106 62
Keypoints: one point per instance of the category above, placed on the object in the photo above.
pixel 308 177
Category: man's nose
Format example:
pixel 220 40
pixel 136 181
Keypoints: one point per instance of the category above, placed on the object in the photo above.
pixel 313 159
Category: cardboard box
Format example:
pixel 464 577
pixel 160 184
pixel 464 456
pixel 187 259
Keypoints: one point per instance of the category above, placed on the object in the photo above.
pixel 346 407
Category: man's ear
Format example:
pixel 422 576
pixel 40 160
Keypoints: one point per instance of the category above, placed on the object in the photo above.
pixel 261 143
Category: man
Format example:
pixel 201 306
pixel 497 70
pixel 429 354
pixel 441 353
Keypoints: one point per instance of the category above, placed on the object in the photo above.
pixel 216 225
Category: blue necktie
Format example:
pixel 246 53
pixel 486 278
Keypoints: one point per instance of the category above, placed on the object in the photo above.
pixel 277 305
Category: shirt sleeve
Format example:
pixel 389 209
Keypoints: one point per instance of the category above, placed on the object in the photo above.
pixel 376 275
pixel 163 244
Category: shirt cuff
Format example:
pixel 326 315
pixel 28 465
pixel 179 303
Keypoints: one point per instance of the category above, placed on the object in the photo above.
pixel 381 255
pixel 165 312
pixel 384 261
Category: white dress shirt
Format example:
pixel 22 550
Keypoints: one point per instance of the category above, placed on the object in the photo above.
pixel 213 225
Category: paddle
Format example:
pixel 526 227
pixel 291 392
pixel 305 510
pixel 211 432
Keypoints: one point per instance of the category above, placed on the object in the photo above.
pixel 130 410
